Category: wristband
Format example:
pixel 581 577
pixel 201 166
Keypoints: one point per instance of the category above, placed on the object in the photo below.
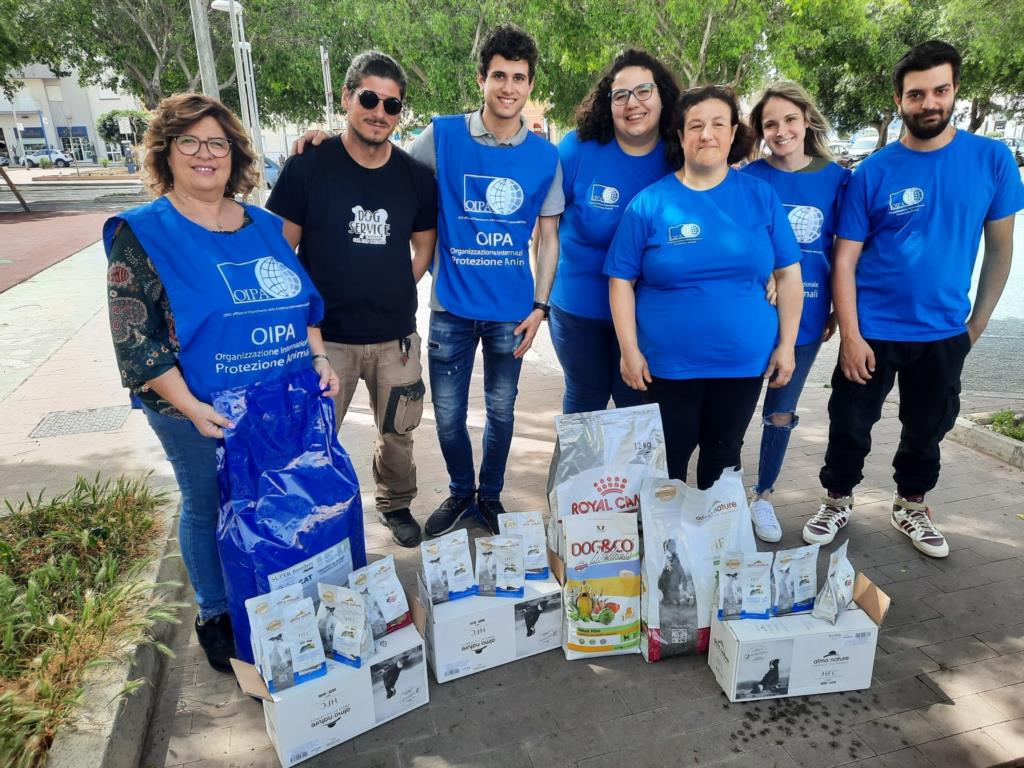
pixel 320 357
pixel 545 308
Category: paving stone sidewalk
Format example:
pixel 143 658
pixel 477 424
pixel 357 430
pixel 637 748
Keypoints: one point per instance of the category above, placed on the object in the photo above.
pixel 949 677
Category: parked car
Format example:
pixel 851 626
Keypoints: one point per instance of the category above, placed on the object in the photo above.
pixel 4 160
pixel 1016 146
pixel 861 148
pixel 58 158
pixel 271 170
pixel 841 152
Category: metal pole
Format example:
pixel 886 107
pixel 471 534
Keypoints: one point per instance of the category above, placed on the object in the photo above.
pixel 255 131
pixel 239 68
pixel 325 63
pixel 204 48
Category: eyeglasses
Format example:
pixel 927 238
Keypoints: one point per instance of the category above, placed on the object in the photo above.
pixel 370 100
pixel 643 92
pixel 190 145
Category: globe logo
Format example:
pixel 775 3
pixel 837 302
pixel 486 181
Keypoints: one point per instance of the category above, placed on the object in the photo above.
pixel 806 221
pixel 504 196
pixel 691 230
pixel 610 195
pixel 276 279
pixel 913 196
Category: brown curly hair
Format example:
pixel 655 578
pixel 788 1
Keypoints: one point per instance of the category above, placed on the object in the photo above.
pixel 173 117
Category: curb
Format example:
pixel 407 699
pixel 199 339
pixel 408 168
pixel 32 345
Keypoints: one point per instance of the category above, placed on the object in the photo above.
pixel 984 440
pixel 107 730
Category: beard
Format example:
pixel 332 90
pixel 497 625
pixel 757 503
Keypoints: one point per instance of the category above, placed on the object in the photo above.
pixel 369 140
pixel 920 129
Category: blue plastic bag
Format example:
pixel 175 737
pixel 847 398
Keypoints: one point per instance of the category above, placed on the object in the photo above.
pixel 290 508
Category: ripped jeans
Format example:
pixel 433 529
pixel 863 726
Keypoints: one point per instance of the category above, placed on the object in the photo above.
pixel 775 439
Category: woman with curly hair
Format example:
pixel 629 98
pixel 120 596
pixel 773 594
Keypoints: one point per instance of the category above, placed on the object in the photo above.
pixel 618 148
pixel 204 295
pixel 799 167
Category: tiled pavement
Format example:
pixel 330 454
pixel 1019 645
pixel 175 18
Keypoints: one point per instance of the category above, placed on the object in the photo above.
pixel 949 677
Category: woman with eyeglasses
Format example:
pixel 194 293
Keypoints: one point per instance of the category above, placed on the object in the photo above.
pixel 799 167
pixel 617 149
pixel 204 294
pixel 688 269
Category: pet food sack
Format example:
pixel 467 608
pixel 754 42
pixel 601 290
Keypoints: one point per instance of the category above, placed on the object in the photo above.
pixel 711 522
pixel 386 605
pixel 447 567
pixel 499 566
pixel 601 595
pixel 600 461
pixel 795 580
pixel 290 511
pixel 341 619
pixel 290 645
pixel 756 580
pixel 530 527
pixel 838 590
pixel 258 607
pixel 730 586
pixel 668 595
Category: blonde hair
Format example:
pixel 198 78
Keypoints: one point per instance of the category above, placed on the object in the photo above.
pixel 173 117
pixel 816 138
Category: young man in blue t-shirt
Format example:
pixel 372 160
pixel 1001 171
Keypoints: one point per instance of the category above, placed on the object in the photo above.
pixel 906 245
pixel 496 179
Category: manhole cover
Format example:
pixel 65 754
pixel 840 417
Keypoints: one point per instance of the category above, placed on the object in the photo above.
pixel 58 423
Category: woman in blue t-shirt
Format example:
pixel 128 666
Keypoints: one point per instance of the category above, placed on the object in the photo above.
pixel 800 169
pixel 688 269
pixel 617 149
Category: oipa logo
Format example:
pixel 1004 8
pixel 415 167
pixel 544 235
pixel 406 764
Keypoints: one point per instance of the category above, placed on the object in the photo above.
pixel 806 221
pixel 491 194
pixel 602 196
pixel 905 200
pixel 684 233
pixel 265 279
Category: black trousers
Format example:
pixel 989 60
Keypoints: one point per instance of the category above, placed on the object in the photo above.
pixel 711 414
pixel 928 375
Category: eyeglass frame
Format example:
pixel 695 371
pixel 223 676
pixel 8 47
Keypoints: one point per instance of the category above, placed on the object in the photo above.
pixel 632 92
pixel 200 144
pixel 381 99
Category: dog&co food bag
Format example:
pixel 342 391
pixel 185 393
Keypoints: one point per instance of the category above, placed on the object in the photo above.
pixel 499 566
pixel 838 590
pixel 447 567
pixel 600 461
pixel 601 595
pixel 530 527
pixel 795 578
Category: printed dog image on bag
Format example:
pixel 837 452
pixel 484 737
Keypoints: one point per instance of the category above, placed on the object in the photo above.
pixel 730 586
pixel 398 682
pixel 764 670
pixel 538 624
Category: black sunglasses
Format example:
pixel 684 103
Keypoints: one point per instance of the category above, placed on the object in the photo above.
pixel 370 100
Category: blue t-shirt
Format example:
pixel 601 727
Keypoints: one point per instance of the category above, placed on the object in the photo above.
pixel 920 216
pixel 812 200
pixel 599 181
pixel 701 261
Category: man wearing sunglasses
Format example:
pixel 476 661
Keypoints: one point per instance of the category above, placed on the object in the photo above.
pixel 353 205
pixel 496 180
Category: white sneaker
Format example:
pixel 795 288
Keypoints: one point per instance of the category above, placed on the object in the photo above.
pixel 826 522
pixel 766 524
pixel 915 521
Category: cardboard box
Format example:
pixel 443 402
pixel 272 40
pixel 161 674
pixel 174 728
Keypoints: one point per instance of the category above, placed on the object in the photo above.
pixel 312 717
pixel 476 633
pixel 799 655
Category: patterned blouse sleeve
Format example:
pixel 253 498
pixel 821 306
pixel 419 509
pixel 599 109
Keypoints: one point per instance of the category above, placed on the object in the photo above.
pixel 141 323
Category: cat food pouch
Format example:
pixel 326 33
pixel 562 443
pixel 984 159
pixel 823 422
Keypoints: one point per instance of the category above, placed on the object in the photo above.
pixel 795 580
pixel 837 592
pixel 290 647
pixel 600 461
pixel 499 566
pixel 756 580
pixel 341 619
pixel 447 567
pixel 386 605
pixel 529 526
pixel 730 586
pixel 261 606
pixel 601 595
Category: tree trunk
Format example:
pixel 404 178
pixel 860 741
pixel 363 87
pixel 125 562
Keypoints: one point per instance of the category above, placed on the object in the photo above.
pixel 979 112
pixel 883 130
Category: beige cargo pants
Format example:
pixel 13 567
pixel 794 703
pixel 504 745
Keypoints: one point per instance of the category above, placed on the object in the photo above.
pixel 394 378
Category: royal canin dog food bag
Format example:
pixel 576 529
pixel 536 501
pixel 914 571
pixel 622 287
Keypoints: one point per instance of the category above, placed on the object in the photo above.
pixel 686 530
pixel 601 595
pixel 600 461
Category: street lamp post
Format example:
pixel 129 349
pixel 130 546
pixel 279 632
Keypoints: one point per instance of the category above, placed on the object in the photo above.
pixel 325 64
pixel 245 80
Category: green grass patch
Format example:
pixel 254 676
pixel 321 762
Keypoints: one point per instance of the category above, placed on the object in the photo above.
pixel 1008 423
pixel 72 597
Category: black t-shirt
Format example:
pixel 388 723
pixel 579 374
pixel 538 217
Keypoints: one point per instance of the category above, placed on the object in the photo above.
pixel 356 223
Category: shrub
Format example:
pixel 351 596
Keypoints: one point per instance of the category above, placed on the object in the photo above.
pixel 45 162
pixel 1008 423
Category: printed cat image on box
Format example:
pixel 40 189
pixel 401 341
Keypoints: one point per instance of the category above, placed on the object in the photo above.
pixel 538 624
pixel 397 683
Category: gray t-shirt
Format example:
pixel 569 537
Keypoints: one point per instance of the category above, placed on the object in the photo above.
pixel 424 150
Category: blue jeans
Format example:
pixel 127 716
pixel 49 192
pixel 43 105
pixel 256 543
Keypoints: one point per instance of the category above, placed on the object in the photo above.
pixel 451 350
pixel 775 439
pixel 194 461
pixel 589 354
